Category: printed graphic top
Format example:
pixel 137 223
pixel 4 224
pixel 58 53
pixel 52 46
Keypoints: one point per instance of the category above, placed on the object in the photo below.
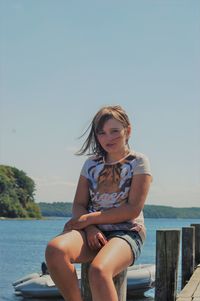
pixel 109 185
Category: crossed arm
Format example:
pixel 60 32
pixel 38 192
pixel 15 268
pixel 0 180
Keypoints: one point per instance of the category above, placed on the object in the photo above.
pixel 83 220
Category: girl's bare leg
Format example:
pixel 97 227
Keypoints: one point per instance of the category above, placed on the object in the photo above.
pixel 113 258
pixel 61 252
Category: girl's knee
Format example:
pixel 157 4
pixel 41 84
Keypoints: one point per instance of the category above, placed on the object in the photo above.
pixel 98 272
pixel 51 251
pixel 54 251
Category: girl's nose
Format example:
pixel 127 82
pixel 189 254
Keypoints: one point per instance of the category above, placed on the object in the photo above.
pixel 110 136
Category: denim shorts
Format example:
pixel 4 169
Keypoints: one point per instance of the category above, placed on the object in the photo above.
pixel 131 237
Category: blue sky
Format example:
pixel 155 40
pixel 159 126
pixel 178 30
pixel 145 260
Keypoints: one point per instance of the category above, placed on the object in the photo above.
pixel 63 60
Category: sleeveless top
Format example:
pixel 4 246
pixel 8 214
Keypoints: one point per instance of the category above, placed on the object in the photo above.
pixel 109 186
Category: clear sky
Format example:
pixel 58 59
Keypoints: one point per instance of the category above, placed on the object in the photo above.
pixel 62 60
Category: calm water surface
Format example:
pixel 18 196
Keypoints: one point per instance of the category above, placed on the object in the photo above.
pixel 23 242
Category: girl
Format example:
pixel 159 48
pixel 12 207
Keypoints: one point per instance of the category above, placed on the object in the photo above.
pixel 107 227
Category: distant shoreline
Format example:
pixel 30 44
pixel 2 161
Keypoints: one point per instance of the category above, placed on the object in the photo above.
pixel 64 209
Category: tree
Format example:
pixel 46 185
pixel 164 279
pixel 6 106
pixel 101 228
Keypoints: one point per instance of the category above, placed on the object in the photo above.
pixel 17 194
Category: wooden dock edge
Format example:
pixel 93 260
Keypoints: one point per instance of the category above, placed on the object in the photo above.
pixel 191 291
pixel 167 257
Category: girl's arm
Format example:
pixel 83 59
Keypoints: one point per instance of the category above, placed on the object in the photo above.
pixel 137 196
pixel 94 236
pixel 81 198
pixel 80 202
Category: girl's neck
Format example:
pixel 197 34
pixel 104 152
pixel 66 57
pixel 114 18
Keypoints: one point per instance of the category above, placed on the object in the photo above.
pixel 115 157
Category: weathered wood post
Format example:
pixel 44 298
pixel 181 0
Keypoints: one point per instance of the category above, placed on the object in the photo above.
pixel 188 234
pixel 197 243
pixel 120 282
pixel 167 256
pixel 85 286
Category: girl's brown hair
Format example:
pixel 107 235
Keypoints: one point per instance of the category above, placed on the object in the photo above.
pixel 91 144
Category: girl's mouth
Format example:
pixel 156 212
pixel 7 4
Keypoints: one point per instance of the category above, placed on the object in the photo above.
pixel 110 144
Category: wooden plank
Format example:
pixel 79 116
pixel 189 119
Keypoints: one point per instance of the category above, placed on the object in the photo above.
pixel 167 254
pixel 192 285
pixel 197 292
pixel 184 299
pixel 85 286
pixel 189 289
pixel 120 282
pixel 196 299
pixel 188 253
pixel 197 243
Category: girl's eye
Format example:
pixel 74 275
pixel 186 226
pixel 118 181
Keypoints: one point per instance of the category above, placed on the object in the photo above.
pixel 115 131
pixel 112 132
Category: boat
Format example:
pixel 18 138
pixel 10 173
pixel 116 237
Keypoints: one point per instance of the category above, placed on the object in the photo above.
pixel 140 278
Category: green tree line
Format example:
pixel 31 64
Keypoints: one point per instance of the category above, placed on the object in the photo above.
pixel 63 209
pixel 155 211
pixel 17 194
pixel 56 209
pixel 17 200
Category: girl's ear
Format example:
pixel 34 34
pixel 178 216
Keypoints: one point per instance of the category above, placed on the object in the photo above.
pixel 128 131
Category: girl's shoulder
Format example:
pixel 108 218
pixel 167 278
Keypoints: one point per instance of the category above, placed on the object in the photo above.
pixel 136 156
pixel 91 163
pixel 94 159
pixel 140 163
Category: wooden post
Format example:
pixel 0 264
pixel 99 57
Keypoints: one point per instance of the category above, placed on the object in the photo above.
pixel 188 234
pixel 167 256
pixel 120 282
pixel 85 286
pixel 197 243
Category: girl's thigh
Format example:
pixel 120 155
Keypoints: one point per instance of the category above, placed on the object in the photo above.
pixel 114 257
pixel 72 244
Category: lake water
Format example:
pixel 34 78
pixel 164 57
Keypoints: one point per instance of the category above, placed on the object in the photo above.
pixel 23 242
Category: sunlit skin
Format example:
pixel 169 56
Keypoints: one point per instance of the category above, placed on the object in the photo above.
pixel 113 139
pixel 81 241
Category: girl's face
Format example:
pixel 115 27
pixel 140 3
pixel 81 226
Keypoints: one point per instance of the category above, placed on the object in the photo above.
pixel 113 136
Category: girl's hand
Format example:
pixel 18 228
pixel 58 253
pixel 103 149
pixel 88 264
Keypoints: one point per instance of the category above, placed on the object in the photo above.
pixel 95 238
pixel 77 223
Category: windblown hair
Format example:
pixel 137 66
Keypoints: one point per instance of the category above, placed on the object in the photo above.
pixel 91 146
